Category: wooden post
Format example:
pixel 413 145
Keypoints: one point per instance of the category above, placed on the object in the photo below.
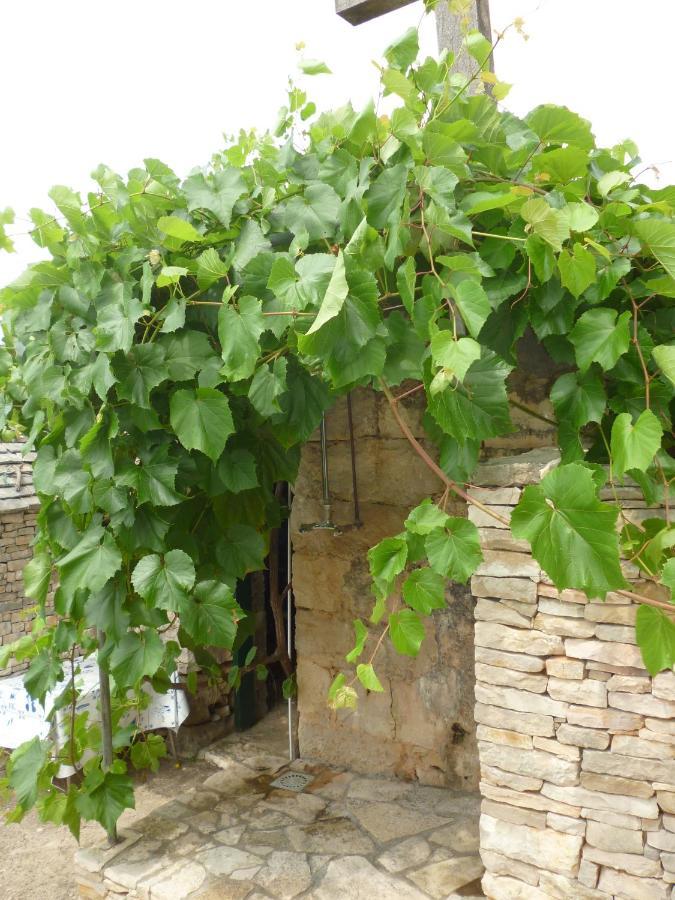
pixel 448 25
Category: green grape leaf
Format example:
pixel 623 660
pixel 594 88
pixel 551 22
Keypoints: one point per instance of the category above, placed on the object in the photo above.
pixel 385 195
pixel 579 399
pixel 202 420
pixel 549 223
pixel 572 534
pixel 335 296
pixel 425 518
pixel 424 591
pixel 600 336
pixel 473 304
pixel 655 634
pixel 105 797
pixel 141 370
pixel 24 767
pixel 146 752
pixel 558 125
pixel 361 636
pixel 217 193
pixel 164 581
pixel 211 614
pixel 664 357
pixel 366 675
pixel 178 228
pixel 388 558
pixel 454 550
pixel 91 563
pixel 658 236
pixel 668 576
pixel 634 445
pixel 37 576
pixel 239 333
pixel 138 655
pixel 454 356
pixel 406 632
pixel 577 270
pixel 403 51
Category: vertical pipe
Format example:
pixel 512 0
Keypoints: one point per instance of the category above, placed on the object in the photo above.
pixel 106 722
pixel 327 512
pixel 289 623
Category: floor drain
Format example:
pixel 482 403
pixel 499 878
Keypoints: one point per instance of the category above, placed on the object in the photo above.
pixel 292 781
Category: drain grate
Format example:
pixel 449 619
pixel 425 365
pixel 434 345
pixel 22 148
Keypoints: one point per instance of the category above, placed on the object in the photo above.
pixel 292 781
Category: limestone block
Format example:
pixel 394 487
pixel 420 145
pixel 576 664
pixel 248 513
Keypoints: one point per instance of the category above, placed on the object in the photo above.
pixel 564 626
pixel 519 661
pixel 588 873
pixel 505 564
pixel 605 763
pixel 618 840
pixel 508 677
pixel 621 633
pixel 494 611
pixel 662 840
pixel 522 589
pixel 514 814
pixel 663 726
pixel 566 824
pixel 493 775
pixel 521 469
pixel 558 887
pixel 618 820
pixel 613 653
pixel 666 801
pixel 556 747
pixel 345 877
pixel 613 784
pixel 502 865
pixel 559 852
pixel 546 589
pixel 483 519
pixel 531 763
pixel 637 746
pixel 321 584
pixel 525 723
pixel 560 608
pixel 503 736
pixel 562 667
pixel 500 539
pixel 580 796
pixel 586 692
pixel 615 670
pixel 500 887
pixel 646 705
pixel 625 862
pixel 516 640
pixel 663 686
pixel 508 496
pixel 621 885
pixel 629 684
pixel 521 701
pixel 537 802
pixel 611 719
pixel 650 735
pixel 612 614
pixel 447 875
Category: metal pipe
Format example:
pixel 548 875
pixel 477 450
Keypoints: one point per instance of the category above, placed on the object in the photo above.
pixel 289 622
pixel 352 447
pixel 324 473
pixel 106 723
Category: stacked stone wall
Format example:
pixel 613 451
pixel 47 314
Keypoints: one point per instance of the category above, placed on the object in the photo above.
pixel 18 512
pixel 576 741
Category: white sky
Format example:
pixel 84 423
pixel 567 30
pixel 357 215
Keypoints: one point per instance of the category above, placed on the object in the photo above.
pixel 89 81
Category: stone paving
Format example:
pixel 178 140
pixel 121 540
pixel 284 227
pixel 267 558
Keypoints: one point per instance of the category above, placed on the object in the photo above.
pixel 346 837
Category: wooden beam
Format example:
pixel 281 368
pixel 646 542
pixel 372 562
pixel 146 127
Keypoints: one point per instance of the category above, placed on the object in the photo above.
pixel 357 12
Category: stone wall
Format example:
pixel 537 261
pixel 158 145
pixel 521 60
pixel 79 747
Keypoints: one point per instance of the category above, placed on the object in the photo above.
pixel 576 741
pixel 18 511
pixel 422 726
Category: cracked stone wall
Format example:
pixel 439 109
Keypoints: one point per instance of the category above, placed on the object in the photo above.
pixel 576 741
pixel 18 511
pixel 422 726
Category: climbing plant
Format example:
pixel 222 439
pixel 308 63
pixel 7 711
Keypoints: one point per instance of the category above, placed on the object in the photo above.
pixel 182 342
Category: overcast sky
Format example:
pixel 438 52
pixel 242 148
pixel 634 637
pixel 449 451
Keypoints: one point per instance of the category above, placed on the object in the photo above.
pixel 87 81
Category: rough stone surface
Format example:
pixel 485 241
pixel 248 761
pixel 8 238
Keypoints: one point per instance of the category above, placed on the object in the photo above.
pixel 531 845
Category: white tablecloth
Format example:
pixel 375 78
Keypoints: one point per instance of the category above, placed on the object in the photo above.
pixel 23 718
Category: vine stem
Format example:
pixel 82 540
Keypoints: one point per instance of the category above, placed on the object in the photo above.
pixel 424 456
pixel 455 488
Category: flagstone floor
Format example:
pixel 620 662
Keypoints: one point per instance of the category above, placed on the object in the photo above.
pixel 346 837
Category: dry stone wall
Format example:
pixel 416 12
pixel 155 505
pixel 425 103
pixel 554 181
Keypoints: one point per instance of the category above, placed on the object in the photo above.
pixel 576 741
pixel 18 511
